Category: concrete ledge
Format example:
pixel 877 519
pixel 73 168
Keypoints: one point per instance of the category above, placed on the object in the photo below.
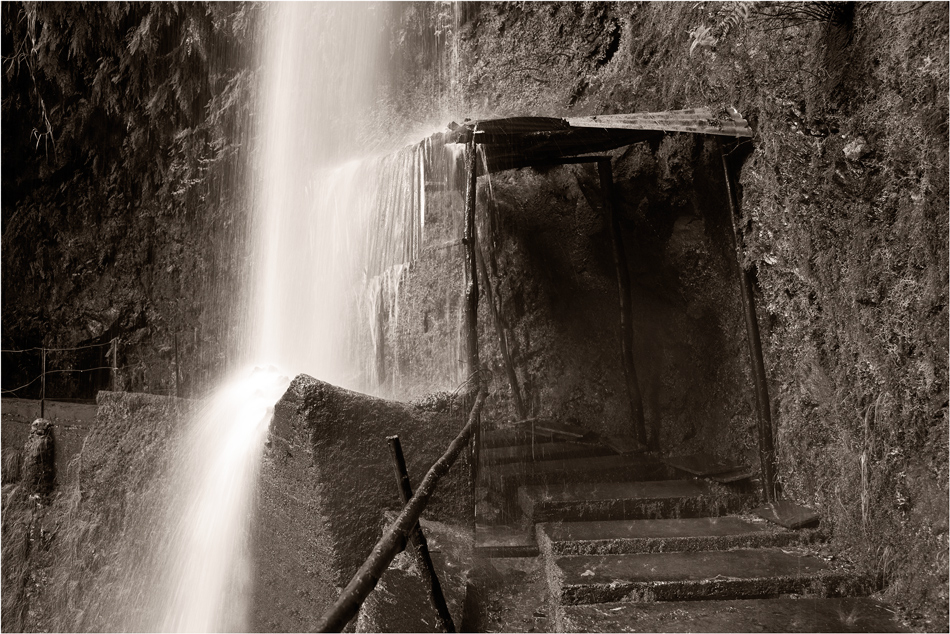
pixel 330 461
pixel 111 515
pixel 71 423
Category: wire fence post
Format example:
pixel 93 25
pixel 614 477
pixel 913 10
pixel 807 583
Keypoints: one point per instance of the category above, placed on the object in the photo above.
pixel 43 384
pixel 177 374
pixel 110 356
pixel 115 363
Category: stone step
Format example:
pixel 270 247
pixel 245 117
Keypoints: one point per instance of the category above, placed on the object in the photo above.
pixel 513 436
pixel 701 464
pixel 543 430
pixel 690 576
pixel 509 595
pixel 849 614
pixel 585 469
pixel 663 535
pixel 504 541
pixel 542 451
pixel 658 499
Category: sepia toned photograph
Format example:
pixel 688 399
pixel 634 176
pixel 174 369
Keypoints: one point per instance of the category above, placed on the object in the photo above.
pixel 475 316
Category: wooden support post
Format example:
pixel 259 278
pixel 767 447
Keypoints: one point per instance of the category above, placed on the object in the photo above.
pixel 626 310
pixel 764 417
pixel 394 539
pixel 418 540
pixel 43 385
pixel 471 297
pixel 471 267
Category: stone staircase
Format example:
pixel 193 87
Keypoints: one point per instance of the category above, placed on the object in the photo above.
pixel 600 541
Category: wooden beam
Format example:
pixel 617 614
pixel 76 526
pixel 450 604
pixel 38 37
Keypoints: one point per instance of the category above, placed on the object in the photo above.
pixel 697 121
pixel 418 540
pixel 471 365
pixel 470 292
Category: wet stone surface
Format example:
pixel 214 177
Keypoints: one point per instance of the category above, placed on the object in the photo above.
pixel 662 535
pixel 747 573
pixel 510 595
pixel 628 500
pixel 744 615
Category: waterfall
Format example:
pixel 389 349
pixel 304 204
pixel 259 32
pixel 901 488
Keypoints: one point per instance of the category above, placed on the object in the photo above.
pixel 336 224
pixel 207 580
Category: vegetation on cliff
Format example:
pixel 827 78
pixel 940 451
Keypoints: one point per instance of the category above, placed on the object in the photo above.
pixel 124 126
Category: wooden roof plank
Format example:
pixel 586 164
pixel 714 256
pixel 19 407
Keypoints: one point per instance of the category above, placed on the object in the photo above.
pixel 696 120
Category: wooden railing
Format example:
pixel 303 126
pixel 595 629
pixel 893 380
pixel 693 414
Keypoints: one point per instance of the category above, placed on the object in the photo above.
pixel 399 533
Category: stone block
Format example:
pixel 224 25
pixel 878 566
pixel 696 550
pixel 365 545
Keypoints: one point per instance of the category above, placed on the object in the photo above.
pixel 328 464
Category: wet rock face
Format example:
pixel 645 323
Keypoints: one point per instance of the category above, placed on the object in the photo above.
pixel 327 478
pixel 38 464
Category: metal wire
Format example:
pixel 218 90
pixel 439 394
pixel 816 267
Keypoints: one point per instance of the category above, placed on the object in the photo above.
pixel 17 389
pixel 102 367
pixel 92 345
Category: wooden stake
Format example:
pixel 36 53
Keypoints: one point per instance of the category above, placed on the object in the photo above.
pixel 471 297
pixel 626 310
pixel 764 417
pixel 115 361
pixel 43 386
pixel 394 539
pixel 471 267
pixel 418 540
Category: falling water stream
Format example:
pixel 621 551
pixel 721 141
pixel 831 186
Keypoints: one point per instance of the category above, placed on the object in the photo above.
pixel 333 232
pixel 207 581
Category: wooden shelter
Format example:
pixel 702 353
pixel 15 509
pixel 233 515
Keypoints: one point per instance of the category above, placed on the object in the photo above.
pixel 517 142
